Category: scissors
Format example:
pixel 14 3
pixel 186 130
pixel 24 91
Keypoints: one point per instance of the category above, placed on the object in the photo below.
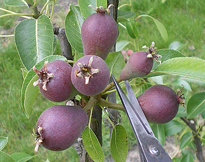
pixel 150 148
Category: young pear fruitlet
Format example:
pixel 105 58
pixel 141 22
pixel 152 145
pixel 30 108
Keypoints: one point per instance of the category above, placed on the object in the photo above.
pixel 54 80
pixel 160 103
pixel 58 127
pixel 99 32
pixel 139 64
pixel 90 75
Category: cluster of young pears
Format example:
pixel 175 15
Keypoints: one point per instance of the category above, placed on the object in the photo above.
pixel 59 126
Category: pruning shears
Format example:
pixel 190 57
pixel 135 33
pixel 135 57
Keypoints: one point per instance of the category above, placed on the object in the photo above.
pixel 150 148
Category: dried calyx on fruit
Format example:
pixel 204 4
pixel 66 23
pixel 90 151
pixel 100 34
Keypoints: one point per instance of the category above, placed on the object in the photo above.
pixel 43 75
pixel 101 9
pixel 54 80
pixel 140 63
pixel 151 52
pixel 86 71
pixel 90 75
pixel 38 138
pixel 180 97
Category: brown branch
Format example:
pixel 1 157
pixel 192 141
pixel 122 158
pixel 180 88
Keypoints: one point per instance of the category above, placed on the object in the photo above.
pixel 197 141
pixel 113 114
pixel 66 50
pixel 33 8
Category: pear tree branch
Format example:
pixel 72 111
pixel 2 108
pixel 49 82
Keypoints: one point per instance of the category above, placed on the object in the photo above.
pixel 197 141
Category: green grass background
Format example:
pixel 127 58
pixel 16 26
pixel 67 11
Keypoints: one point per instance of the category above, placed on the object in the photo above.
pixel 184 21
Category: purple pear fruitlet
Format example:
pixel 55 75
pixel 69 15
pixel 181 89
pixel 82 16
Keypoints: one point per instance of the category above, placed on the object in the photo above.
pixel 58 127
pixel 139 64
pixel 99 33
pixel 54 80
pixel 90 75
pixel 160 103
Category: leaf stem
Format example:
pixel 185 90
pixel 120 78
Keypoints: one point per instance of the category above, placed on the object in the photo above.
pixel 70 61
pixel 197 141
pixel 3 36
pixel 108 117
pixel 52 11
pixel 2 9
pixel 35 2
pixel 93 101
pixel 91 112
pixel 111 85
pixel 44 6
pixel 143 16
pixel 34 9
pixel 111 105
pixel 123 26
pixel 107 92
pixel 17 14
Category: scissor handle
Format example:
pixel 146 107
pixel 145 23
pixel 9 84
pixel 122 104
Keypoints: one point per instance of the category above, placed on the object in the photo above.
pixel 151 149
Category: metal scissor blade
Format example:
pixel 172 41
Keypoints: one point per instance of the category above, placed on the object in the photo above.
pixel 133 100
pixel 134 118
pixel 130 110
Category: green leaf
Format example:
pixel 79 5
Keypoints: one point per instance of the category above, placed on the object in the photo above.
pixel 131 29
pixel 203 114
pixel 188 151
pixel 21 157
pixel 176 45
pixel 183 66
pixel 179 82
pixel 87 11
pixel 34 40
pixel 28 91
pixel 185 140
pixel 120 45
pixel 187 158
pixel 195 81
pixel 17 3
pixel 78 55
pixel 3 142
pixel 24 72
pixel 123 16
pixel 181 112
pixel 176 159
pixel 172 127
pixel 160 27
pixel 166 55
pixel 73 24
pixel 192 145
pixel 196 105
pixel 159 132
pixel 30 2
pixel 157 79
pixel 118 145
pixel 139 85
pixel 115 62
pixel 31 93
pixel 5 157
pixel 92 145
